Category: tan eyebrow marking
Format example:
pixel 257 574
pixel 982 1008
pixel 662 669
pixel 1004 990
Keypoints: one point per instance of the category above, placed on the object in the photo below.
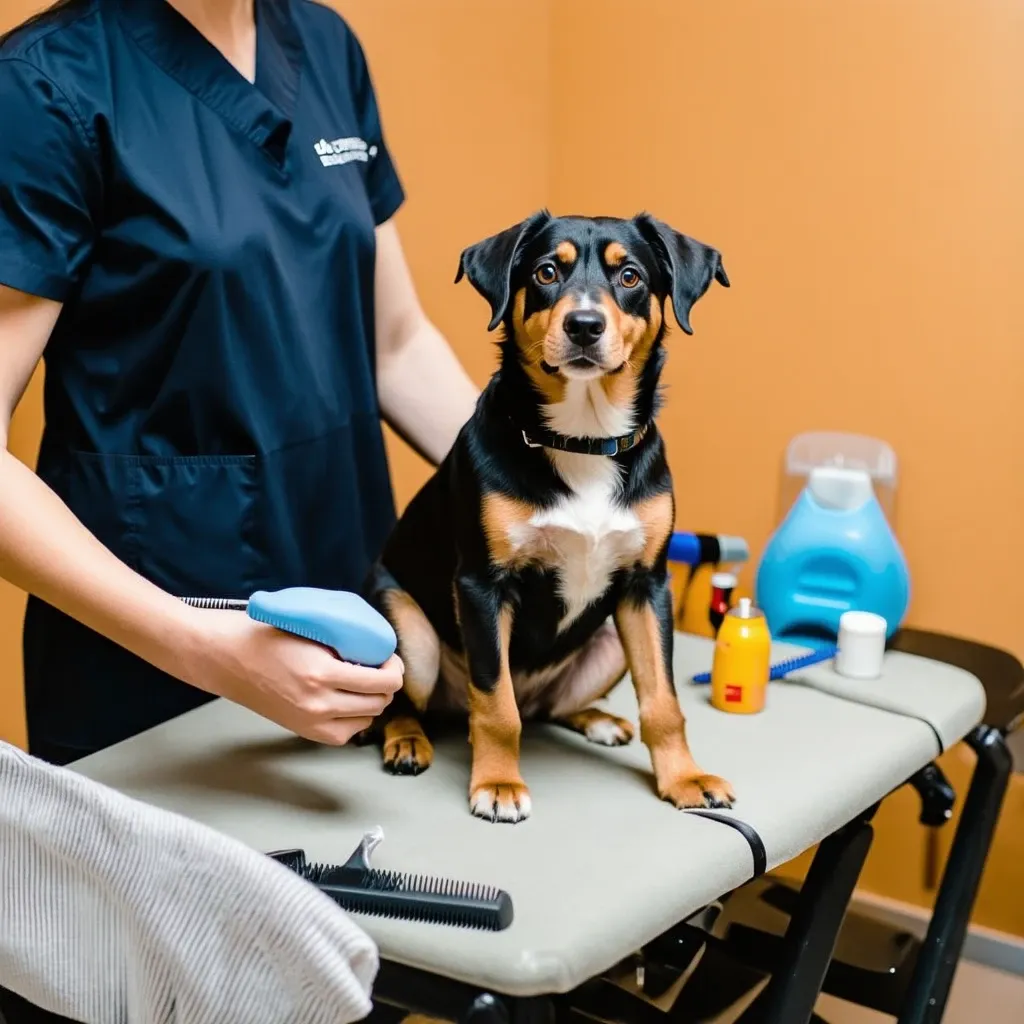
pixel 614 254
pixel 566 252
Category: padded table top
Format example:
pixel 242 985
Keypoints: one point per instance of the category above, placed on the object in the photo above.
pixel 602 865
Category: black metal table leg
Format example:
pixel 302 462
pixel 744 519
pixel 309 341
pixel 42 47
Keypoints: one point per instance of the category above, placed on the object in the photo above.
pixel 414 991
pixel 533 1010
pixel 411 990
pixel 810 939
pixel 943 942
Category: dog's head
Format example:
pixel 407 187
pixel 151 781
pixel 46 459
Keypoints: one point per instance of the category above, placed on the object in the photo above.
pixel 583 298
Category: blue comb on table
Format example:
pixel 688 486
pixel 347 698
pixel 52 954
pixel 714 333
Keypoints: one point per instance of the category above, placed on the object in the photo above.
pixel 343 621
pixel 781 669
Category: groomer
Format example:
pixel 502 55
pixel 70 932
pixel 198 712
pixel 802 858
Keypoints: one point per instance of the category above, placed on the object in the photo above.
pixel 196 203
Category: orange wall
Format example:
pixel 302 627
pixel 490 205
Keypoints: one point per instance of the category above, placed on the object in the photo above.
pixel 860 167
pixel 857 164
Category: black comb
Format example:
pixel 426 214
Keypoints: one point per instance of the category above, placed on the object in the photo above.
pixel 357 887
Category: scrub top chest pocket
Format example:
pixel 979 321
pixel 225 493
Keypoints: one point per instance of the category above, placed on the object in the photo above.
pixel 187 524
pixel 191 523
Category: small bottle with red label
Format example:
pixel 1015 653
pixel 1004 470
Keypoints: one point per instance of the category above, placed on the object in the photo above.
pixel 742 660
pixel 722 586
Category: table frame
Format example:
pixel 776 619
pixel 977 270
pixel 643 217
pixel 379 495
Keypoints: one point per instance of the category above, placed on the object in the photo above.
pixel 804 954
pixel 805 951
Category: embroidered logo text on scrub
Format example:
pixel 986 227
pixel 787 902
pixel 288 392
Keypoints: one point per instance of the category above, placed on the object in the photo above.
pixel 343 151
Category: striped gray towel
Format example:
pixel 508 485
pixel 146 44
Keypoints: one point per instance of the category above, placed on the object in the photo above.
pixel 116 912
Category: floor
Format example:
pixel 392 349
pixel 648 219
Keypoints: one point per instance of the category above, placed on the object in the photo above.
pixel 999 995
pixel 979 994
pixel 976 990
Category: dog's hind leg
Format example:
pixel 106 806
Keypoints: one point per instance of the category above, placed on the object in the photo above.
pixel 406 748
pixel 598 667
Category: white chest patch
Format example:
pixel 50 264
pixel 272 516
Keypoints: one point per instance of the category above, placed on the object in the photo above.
pixel 587 536
pixel 585 539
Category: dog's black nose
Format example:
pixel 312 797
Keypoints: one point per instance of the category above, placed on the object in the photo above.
pixel 584 326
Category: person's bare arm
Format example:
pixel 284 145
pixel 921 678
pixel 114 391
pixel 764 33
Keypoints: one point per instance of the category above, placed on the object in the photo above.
pixel 424 392
pixel 46 551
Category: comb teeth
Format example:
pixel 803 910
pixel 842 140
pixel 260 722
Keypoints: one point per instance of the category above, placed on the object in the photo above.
pixel 218 603
pixel 414 897
pixel 396 881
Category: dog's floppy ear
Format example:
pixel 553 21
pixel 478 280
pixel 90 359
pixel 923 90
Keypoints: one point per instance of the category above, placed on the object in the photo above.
pixel 690 265
pixel 489 263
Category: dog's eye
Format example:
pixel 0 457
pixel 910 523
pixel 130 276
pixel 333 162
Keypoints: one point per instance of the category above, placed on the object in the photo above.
pixel 628 277
pixel 546 273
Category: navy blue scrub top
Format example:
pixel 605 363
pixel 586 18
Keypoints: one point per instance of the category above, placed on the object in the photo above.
pixel 210 399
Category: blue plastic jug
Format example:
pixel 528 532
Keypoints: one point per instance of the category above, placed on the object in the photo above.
pixel 834 552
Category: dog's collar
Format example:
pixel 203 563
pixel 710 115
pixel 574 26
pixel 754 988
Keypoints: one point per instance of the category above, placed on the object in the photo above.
pixel 585 445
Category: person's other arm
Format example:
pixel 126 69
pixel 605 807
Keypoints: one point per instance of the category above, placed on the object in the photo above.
pixel 46 551
pixel 425 394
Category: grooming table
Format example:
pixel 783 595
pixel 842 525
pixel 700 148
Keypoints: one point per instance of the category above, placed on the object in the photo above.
pixel 602 868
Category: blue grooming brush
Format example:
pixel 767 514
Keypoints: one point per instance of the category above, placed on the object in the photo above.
pixel 783 668
pixel 343 621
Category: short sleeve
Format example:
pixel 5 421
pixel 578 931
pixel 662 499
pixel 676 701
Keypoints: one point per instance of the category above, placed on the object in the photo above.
pixel 383 184
pixel 49 185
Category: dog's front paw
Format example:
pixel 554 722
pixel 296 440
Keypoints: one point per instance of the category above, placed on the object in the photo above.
pixel 698 791
pixel 408 755
pixel 501 801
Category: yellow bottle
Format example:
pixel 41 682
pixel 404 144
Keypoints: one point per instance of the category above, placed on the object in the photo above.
pixel 742 660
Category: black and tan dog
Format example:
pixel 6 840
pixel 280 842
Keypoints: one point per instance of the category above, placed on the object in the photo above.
pixel 532 566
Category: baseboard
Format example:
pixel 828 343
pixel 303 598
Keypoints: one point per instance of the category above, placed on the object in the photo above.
pixel 985 946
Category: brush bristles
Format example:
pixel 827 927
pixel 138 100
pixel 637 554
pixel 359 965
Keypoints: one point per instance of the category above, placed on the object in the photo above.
pixel 298 628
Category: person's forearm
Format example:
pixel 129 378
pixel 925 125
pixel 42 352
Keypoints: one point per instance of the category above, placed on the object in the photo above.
pixel 46 551
pixel 425 393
